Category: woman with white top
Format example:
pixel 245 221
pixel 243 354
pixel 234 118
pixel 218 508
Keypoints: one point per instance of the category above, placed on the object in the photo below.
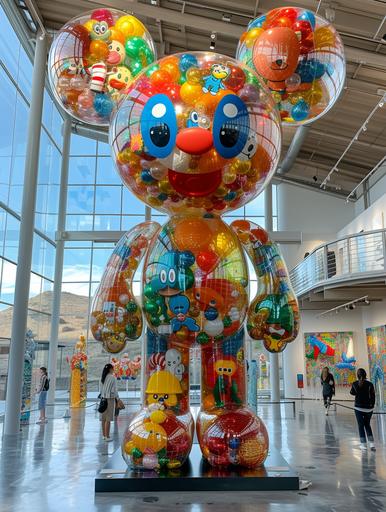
pixel 109 391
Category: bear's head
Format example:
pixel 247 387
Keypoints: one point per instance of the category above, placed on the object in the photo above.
pixel 186 138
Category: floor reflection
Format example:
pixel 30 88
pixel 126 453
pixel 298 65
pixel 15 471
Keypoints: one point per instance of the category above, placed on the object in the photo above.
pixel 52 467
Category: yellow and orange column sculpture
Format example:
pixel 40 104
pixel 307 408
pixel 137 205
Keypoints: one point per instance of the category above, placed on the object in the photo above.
pixel 78 365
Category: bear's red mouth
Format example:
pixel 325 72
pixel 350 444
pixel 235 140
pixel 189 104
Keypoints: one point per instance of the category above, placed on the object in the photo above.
pixel 195 185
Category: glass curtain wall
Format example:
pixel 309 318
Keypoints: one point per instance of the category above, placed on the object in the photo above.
pixel 15 94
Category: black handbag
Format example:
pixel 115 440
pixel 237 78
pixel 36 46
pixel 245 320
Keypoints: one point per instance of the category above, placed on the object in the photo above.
pixel 102 405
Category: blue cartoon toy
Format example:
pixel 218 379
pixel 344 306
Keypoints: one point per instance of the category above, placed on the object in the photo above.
pixel 214 82
pixel 179 306
pixel 174 274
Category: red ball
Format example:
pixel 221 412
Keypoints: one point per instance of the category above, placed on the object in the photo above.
pixel 160 79
pixel 216 445
pixel 103 15
pixel 304 27
pixel 236 79
pixel 283 22
pixel 289 12
pixel 173 91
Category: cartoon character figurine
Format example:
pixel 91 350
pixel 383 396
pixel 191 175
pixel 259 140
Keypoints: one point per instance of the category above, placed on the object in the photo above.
pixel 196 154
pixel 213 83
pixel 225 386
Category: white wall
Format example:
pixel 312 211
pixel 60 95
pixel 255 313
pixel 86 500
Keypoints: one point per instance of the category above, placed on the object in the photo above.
pixel 318 215
pixel 294 357
pixel 372 218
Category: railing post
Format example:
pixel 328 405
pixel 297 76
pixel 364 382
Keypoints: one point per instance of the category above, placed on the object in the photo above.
pixel 325 262
pixel 348 254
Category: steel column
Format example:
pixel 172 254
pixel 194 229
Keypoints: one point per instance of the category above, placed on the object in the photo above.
pixel 59 254
pixel 24 262
pixel 274 377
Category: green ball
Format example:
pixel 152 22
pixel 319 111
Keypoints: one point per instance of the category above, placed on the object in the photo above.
pixel 134 46
pixel 151 307
pixel 151 69
pixel 182 79
pixel 130 329
pixel 136 453
pixel 135 67
pixel 202 338
pixel 148 291
pixel 227 321
pixel 155 321
pixel 131 307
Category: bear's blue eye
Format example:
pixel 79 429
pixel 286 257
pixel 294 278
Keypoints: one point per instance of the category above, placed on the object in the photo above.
pixel 159 126
pixel 230 126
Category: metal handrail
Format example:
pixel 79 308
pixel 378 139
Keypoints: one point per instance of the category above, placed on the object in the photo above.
pixel 349 257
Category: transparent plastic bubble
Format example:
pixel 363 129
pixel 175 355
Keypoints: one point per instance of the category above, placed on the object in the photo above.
pixel 201 125
pixel 93 59
pixel 300 56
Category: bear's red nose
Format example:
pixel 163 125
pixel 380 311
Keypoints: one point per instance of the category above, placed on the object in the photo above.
pixel 194 141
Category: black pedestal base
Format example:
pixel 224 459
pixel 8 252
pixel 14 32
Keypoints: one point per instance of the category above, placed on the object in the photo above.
pixel 198 475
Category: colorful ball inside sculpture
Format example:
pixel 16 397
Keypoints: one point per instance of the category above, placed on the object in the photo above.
pixel 300 56
pixel 196 130
pixel 93 59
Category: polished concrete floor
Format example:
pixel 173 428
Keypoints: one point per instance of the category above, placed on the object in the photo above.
pixel 52 467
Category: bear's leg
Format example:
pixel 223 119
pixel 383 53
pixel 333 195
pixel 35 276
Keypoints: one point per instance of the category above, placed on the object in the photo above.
pixel 160 435
pixel 228 431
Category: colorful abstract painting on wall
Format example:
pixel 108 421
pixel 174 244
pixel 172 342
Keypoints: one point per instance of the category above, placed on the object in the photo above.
pixel 376 348
pixel 332 349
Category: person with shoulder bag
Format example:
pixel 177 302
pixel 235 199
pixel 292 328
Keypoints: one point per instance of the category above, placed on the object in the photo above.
pixel 109 395
pixel 364 393
pixel 44 385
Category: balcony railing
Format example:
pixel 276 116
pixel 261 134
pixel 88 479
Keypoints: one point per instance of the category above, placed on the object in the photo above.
pixel 353 257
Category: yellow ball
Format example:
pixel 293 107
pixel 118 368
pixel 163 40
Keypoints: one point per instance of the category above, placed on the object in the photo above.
pixel 130 26
pixel 89 24
pixel 252 35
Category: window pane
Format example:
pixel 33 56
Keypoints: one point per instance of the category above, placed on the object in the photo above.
pixel 82 145
pixel 79 222
pixel 8 105
pixel 108 199
pixel 8 282
pixel 107 222
pixel 80 199
pixel 130 204
pixel 76 265
pixel 81 170
pixel 11 244
pixel 106 173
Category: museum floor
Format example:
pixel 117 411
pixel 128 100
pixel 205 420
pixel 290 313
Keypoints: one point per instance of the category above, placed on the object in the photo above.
pixel 52 467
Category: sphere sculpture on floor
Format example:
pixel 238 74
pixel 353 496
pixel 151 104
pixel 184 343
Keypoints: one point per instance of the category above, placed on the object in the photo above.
pixel 300 56
pixel 92 61
pixel 197 136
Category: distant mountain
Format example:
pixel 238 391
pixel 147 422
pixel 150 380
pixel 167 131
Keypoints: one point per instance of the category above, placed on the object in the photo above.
pixel 73 322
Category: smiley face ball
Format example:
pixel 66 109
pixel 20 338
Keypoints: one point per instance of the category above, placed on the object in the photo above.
pixel 93 60
pixel 300 56
pixel 197 131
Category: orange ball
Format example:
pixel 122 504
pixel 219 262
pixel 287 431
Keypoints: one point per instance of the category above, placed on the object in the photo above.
pixel 253 453
pixel 261 160
pixel 160 77
pixel 208 102
pixel 172 68
pixel 72 97
pixel 192 235
pixel 190 93
pixel 116 35
pixel 99 49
